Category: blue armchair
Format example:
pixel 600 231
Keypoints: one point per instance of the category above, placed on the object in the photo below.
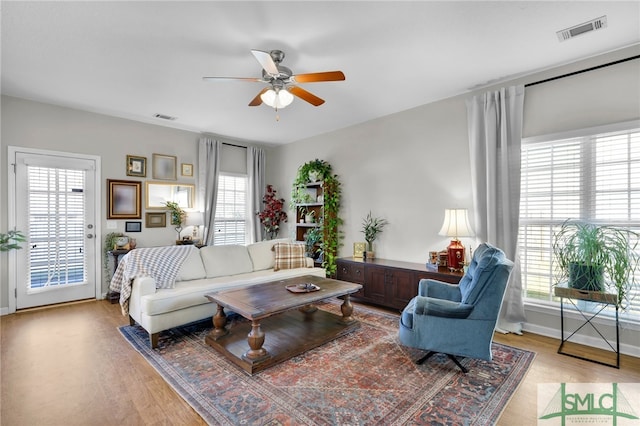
pixel 458 320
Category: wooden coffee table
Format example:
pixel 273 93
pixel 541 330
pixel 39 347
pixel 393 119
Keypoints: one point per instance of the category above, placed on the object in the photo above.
pixel 288 331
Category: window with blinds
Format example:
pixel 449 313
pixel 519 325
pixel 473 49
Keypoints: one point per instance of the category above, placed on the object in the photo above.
pixel 56 227
pixel 594 178
pixel 231 210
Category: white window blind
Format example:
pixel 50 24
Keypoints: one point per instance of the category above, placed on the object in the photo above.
pixel 56 227
pixel 594 178
pixel 231 210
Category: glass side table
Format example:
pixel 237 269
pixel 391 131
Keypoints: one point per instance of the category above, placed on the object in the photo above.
pixel 605 299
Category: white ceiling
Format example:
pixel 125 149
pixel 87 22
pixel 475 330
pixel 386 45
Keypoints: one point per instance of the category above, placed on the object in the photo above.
pixel 136 59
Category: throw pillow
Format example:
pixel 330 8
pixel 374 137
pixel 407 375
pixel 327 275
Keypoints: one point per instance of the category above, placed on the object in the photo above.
pixel 289 256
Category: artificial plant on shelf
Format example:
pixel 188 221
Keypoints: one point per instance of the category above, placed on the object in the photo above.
pixel 371 227
pixel 331 221
pixel 312 238
pixel 178 215
pixel 272 215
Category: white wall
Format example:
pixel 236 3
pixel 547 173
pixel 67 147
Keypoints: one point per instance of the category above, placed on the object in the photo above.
pixel 408 167
pixel 48 127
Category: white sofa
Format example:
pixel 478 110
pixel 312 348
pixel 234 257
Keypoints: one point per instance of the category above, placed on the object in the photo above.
pixel 204 271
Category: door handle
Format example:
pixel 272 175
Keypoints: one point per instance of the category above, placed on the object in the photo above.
pixel 89 236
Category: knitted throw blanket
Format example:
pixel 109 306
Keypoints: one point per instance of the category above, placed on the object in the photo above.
pixel 160 263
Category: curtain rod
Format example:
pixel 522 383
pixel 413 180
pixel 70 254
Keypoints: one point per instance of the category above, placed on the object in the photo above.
pixel 230 144
pixel 581 71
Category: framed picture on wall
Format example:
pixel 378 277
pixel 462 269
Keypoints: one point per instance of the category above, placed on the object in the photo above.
pixel 156 220
pixel 123 199
pixel 187 169
pixel 133 227
pixel 164 167
pixel 136 166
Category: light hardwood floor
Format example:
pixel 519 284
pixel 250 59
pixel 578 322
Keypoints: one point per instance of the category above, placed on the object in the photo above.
pixel 68 365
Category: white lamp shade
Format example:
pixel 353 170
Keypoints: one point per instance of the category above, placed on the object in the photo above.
pixel 194 219
pixel 285 98
pixel 279 99
pixel 269 97
pixel 456 224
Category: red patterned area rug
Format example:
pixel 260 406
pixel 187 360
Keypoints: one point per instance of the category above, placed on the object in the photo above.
pixel 363 378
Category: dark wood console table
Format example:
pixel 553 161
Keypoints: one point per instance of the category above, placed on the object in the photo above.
pixel 389 283
pixel 112 296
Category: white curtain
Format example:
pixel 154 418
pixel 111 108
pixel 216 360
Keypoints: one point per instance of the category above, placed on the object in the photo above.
pixel 208 173
pixel 257 187
pixel 495 139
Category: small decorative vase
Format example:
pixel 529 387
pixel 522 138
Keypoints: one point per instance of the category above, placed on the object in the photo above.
pixel 371 254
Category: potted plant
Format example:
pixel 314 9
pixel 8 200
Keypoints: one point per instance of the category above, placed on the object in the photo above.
pixel 272 214
pixel 329 217
pixel 311 239
pixel 177 215
pixel 371 227
pixel 11 240
pixel 109 243
pixel 596 257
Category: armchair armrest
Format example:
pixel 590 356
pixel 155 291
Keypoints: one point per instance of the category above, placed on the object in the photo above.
pixel 439 290
pixel 441 308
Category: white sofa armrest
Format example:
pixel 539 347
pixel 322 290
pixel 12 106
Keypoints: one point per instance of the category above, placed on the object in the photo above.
pixel 141 286
pixel 309 262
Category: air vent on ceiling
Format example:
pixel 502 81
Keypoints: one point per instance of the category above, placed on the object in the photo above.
pixel 594 24
pixel 165 117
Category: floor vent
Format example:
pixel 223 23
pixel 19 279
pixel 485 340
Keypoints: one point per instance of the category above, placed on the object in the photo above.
pixel 594 24
pixel 165 117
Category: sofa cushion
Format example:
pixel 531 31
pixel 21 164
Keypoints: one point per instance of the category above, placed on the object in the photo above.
pixel 192 293
pixel 192 268
pixel 262 254
pixel 226 260
pixel 289 256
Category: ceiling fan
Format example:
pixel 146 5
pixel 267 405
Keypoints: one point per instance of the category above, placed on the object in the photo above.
pixel 281 82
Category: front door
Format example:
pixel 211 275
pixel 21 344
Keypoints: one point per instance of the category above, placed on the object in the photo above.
pixel 55 197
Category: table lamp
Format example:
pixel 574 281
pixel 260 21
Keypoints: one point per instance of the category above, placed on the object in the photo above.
pixel 195 219
pixel 456 224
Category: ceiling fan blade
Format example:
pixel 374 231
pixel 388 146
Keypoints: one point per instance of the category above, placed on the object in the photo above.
pixel 318 76
pixel 257 101
pixel 266 61
pixel 304 95
pixel 250 79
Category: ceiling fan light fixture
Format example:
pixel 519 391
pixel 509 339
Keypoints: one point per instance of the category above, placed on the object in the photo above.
pixel 285 98
pixel 277 99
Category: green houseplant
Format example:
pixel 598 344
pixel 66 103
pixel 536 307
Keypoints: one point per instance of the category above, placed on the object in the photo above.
pixel 109 243
pixel 371 227
pixel 11 240
pixel 311 239
pixel 331 221
pixel 177 215
pixel 596 257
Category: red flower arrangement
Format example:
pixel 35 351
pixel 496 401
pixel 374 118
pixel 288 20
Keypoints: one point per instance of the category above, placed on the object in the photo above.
pixel 272 214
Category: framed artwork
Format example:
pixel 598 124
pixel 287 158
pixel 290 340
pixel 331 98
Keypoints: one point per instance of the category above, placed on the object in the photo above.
pixel 358 249
pixel 164 167
pixel 123 199
pixel 136 166
pixel 156 220
pixel 187 169
pixel 133 227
